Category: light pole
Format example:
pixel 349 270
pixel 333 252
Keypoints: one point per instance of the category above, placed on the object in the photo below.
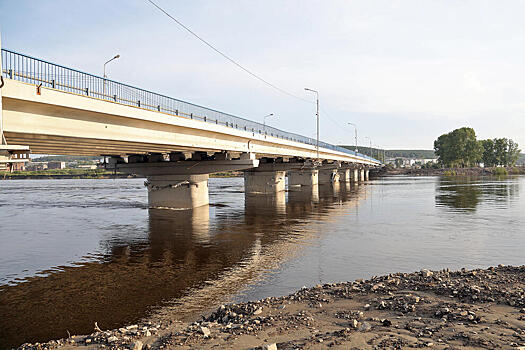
pixel 369 139
pixel 317 114
pixel 264 121
pixel 105 76
pixel 355 128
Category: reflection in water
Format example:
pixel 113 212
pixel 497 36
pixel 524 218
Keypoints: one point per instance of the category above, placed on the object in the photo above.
pixel 186 261
pixel 466 193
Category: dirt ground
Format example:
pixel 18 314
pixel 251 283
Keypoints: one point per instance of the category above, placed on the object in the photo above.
pixel 467 309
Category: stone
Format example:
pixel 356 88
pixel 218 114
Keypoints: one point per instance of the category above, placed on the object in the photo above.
pixel 258 311
pixel 354 323
pixel 365 327
pixel 272 346
pixel 205 331
pixel 112 339
pixel 137 345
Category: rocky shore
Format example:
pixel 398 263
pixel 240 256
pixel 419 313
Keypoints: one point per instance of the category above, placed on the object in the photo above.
pixel 467 309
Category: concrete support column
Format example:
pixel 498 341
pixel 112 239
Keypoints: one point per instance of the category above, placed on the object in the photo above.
pixel 361 174
pixel 177 191
pixel 367 174
pixel 344 175
pixel 307 177
pixel 264 181
pixel 354 174
pixel 328 176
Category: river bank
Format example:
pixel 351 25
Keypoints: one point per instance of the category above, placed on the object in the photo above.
pixel 474 171
pixel 466 309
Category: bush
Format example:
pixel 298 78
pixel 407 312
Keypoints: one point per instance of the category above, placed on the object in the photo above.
pixel 499 171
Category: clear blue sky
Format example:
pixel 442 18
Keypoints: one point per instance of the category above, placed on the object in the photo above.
pixel 404 71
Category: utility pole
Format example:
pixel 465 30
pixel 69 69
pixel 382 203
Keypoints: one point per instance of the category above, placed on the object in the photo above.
pixel 317 114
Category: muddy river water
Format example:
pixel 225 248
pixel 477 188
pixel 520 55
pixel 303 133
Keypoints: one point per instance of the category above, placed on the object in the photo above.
pixel 73 252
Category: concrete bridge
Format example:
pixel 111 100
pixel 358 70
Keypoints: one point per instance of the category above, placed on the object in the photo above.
pixel 50 109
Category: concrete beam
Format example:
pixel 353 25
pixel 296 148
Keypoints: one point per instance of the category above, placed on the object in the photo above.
pixel 187 167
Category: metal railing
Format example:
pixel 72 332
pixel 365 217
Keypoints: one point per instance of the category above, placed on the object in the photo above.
pixel 39 72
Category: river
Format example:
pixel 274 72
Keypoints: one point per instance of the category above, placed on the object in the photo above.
pixel 78 251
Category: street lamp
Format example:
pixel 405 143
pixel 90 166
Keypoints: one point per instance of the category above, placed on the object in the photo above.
pixel 317 114
pixel 369 139
pixel 355 128
pixel 264 120
pixel 105 76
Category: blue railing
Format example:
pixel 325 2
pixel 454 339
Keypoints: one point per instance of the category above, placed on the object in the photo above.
pixel 36 71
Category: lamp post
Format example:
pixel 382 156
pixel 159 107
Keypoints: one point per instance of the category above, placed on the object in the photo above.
pixel 105 76
pixel 369 139
pixel 355 128
pixel 264 121
pixel 317 114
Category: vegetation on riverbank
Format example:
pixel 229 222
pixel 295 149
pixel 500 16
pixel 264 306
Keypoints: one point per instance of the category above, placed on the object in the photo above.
pixel 460 148
pixel 472 171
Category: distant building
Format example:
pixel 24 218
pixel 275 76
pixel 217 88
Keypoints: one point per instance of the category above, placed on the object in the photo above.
pixel 34 166
pixel 56 165
pixel 87 166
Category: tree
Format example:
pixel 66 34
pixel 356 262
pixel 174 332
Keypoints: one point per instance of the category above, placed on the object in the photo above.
pixel 489 157
pixel 458 148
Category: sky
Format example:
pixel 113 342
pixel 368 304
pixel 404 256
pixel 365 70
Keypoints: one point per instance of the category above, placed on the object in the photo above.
pixel 404 72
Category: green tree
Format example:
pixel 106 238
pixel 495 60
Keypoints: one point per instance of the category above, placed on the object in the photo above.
pixel 489 156
pixel 458 148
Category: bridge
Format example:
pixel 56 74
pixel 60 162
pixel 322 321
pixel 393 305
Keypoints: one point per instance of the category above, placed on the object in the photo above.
pixel 47 108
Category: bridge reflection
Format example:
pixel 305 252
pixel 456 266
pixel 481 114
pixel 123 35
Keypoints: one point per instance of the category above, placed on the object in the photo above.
pixel 187 263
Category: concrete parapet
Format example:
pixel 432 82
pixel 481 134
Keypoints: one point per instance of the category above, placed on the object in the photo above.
pixel 264 182
pixel 305 177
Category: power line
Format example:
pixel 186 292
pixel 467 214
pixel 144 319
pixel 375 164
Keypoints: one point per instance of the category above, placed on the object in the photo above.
pixel 226 56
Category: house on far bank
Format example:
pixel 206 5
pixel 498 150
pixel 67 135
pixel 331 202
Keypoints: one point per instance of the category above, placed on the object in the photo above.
pixel 87 166
pixel 56 165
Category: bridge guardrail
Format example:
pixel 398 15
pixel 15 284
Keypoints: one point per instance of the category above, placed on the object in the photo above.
pixel 32 70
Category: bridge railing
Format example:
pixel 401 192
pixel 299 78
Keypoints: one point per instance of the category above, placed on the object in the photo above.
pixel 39 72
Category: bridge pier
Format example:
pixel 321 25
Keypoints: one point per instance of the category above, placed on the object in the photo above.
pixel 303 178
pixel 328 176
pixel 367 174
pixel 361 174
pixel 178 191
pixel 354 175
pixel 179 183
pixel 344 175
pixel 264 181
